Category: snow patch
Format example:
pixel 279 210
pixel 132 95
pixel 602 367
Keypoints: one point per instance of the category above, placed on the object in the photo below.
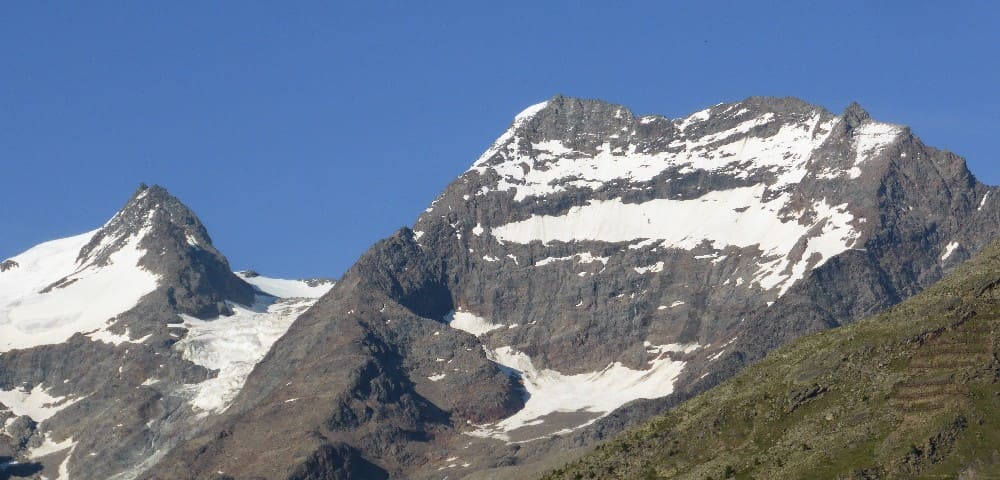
pixel 104 335
pixel 696 117
pixel 657 267
pixel 519 120
pixel 36 403
pixel 585 257
pixel 872 137
pixel 948 250
pixel 281 288
pixel 48 447
pixel 469 322
pixel 599 392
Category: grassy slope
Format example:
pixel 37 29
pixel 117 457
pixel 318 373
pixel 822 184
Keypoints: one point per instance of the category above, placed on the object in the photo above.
pixel 911 393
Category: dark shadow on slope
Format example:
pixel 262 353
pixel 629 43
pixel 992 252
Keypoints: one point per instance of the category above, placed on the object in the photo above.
pixel 338 461
pixel 10 469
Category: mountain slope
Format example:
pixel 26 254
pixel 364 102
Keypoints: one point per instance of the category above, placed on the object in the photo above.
pixel 117 343
pixel 593 250
pixel 911 392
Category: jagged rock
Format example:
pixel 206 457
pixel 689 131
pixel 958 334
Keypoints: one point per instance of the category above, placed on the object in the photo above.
pixel 23 432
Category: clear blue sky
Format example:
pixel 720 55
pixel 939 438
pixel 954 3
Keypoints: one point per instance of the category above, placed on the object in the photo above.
pixel 302 132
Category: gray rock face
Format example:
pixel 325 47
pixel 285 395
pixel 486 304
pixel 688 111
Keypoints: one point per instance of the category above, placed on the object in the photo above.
pixel 371 387
pixel 609 266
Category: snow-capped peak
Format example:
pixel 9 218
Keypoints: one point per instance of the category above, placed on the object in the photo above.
pixel 730 175
pixel 81 283
pixel 150 210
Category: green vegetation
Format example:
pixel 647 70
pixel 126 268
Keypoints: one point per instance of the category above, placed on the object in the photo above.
pixel 911 393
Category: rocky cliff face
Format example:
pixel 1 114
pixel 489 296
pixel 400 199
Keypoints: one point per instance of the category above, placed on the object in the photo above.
pixel 592 268
pixel 117 343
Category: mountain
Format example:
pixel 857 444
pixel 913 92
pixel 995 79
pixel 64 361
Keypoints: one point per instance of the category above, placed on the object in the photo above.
pixel 117 343
pixel 591 269
pixel 910 393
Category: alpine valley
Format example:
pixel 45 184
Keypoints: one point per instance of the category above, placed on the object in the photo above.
pixel 590 272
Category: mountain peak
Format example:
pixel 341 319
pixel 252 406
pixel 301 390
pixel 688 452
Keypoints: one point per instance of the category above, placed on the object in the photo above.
pixel 855 115
pixel 184 254
pixel 149 208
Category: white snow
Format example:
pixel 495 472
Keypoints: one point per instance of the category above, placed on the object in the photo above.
pixel 643 244
pixel 737 217
pixel 114 338
pixel 785 152
pixel 233 345
pixel 191 240
pixel 90 294
pixel 36 403
pixel 470 322
pixel 657 267
pixel 598 392
pixel 983 202
pixel 696 117
pixel 519 120
pixel 436 377
pixel 477 230
pixel 872 137
pixel 948 250
pixel 49 447
pixel 281 288
pixel 584 257
pixel 677 304
pixel 64 465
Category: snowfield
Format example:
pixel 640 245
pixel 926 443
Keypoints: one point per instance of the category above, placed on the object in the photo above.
pixel 52 295
pixel 281 288
pixel 593 394
pixel 596 393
